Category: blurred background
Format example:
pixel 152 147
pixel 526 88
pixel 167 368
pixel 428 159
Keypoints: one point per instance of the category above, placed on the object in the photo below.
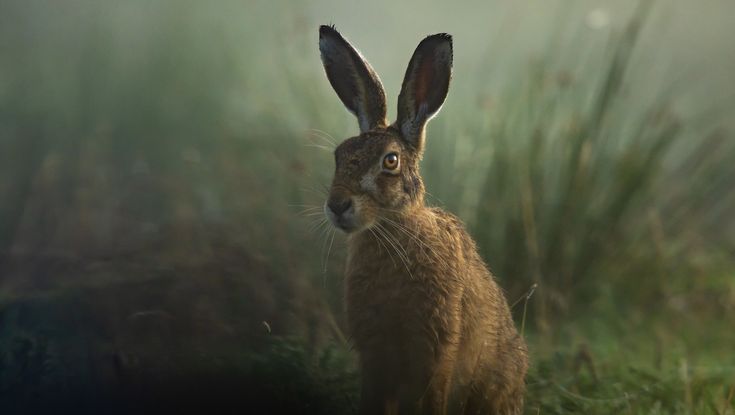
pixel 160 162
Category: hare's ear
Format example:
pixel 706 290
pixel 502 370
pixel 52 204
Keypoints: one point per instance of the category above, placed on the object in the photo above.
pixel 353 79
pixel 424 87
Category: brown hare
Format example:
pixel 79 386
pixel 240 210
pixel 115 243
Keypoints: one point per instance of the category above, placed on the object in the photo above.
pixel 432 328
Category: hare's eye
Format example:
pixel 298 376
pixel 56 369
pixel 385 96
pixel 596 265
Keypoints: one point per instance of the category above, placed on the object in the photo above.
pixel 390 161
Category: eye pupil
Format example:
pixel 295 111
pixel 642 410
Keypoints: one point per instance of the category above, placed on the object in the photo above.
pixel 391 161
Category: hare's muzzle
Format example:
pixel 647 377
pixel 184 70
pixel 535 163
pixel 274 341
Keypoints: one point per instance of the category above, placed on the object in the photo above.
pixel 341 212
pixel 339 207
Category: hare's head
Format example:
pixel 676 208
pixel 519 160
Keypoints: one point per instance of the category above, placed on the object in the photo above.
pixel 377 172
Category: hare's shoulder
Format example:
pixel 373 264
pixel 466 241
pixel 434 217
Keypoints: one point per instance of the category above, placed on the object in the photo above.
pixel 449 223
pixel 446 218
pixel 451 230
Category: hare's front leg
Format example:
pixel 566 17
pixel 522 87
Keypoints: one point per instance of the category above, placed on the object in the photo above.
pixel 416 382
pixel 381 372
pixel 431 377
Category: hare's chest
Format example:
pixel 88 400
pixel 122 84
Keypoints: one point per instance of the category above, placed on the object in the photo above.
pixel 383 304
pixel 392 293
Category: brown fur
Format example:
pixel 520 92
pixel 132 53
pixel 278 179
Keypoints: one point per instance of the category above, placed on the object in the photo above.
pixel 433 329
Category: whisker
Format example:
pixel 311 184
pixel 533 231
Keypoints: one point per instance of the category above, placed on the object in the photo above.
pixel 329 145
pixel 405 230
pixel 314 189
pixel 378 234
pixel 318 191
pixel 321 147
pixel 324 234
pixel 377 238
pixel 319 230
pixel 314 213
pixel 412 235
pixel 305 207
pixel 317 224
pixel 331 241
pixel 403 257
pixel 435 198
pixel 312 209
pixel 313 132
pixel 402 249
pixel 326 134
pixel 323 135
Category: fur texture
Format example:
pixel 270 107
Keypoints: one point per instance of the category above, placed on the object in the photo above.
pixel 433 329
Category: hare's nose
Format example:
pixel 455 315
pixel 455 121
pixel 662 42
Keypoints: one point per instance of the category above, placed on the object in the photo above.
pixel 338 207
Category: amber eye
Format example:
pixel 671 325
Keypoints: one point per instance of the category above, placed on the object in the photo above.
pixel 390 161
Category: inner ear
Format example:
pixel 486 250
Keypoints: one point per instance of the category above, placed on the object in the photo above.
pixel 425 86
pixel 423 75
pixel 354 80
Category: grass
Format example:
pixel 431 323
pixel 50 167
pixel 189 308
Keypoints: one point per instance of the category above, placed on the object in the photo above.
pixel 157 164
pixel 640 369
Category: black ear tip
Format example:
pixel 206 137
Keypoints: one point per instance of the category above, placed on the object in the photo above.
pixel 444 36
pixel 439 38
pixel 327 30
pixel 437 41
